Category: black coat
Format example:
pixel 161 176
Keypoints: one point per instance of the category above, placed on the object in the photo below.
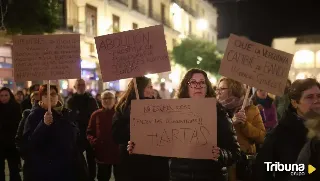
pixel 283 145
pixel 209 170
pixel 136 167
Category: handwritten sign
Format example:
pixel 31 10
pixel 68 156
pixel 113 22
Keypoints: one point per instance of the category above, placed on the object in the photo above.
pixel 46 57
pixel 185 128
pixel 6 73
pixel 133 53
pixel 256 65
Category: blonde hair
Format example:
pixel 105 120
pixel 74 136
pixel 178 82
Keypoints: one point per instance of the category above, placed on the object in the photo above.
pixel 237 89
pixel 108 93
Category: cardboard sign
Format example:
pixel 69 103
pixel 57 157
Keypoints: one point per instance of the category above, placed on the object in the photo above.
pixel 184 128
pixel 6 73
pixel 46 57
pixel 256 65
pixel 133 53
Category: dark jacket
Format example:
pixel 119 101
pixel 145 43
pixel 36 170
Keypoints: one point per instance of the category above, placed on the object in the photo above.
pixel 26 103
pixel 9 122
pixel 283 145
pixel 100 137
pixel 208 170
pixel 136 167
pixel 20 143
pixel 83 105
pixel 53 150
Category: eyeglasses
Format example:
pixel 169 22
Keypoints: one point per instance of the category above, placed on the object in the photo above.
pixel 195 84
pixel 221 89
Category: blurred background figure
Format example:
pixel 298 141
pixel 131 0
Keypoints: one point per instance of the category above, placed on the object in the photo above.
pixel 163 92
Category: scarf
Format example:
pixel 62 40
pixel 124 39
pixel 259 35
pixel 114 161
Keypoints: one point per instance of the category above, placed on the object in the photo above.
pixel 232 102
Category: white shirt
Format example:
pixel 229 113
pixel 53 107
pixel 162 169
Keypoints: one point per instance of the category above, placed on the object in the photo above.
pixel 164 94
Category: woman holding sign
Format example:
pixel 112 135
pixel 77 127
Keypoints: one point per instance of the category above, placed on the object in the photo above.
pixel 136 167
pixel 196 84
pixel 52 141
pixel 247 123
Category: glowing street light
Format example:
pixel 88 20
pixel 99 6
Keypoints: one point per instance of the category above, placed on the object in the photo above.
pixel 202 24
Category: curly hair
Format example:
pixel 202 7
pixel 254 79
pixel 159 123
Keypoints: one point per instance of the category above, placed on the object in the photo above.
pixel 183 88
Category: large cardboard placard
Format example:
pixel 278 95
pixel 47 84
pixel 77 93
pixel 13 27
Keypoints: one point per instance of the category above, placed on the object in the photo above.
pixel 184 128
pixel 6 73
pixel 46 57
pixel 133 53
pixel 256 65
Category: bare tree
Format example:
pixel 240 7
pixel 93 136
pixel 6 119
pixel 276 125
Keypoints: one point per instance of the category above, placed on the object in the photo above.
pixel 3 12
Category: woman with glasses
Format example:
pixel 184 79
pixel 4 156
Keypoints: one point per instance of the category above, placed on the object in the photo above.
pixel 248 123
pixel 52 141
pixel 196 85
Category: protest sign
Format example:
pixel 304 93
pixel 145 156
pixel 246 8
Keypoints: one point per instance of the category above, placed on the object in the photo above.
pixel 133 53
pixel 46 57
pixel 256 65
pixel 184 128
pixel 6 73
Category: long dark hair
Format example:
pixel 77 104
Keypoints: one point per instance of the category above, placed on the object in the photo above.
pixel 12 99
pixel 130 94
pixel 183 88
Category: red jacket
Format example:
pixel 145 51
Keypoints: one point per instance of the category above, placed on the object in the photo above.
pixel 100 137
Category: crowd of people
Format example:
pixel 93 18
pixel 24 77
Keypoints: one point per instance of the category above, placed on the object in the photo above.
pixel 282 129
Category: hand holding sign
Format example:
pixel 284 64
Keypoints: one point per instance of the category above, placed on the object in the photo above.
pixel 48 119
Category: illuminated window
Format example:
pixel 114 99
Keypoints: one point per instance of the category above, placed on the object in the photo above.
pixel 176 13
pixel 303 75
pixel 304 59
pixel 318 59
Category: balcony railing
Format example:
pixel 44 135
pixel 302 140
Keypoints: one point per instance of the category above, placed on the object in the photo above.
pixel 187 8
pixel 139 8
pixel 160 19
pixel 124 2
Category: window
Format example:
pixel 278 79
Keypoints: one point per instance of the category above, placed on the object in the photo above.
pixel 304 59
pixel 150 8
pixel 115 23
pixel 163 15
pixel 134 26
pixel 135 4
pixel 174 42
pixel 91 46
pixel 190 3
pixel 190 27
pixel 203 14
pixel 91 20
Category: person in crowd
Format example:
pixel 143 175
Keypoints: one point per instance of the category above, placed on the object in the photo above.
pixel 99 135
pixel 53 151
pixel 267 107
pixel 309 155
pixel 84 105
pixel 19 97
pixel 25 92
pixel 282 102
pixel 10 116
pixel 163 92
pixel 26 103
pixel 196 84
pixel 20 143
pixel 156 94
pixel 247 123
pixel 285 141
pixel 98 99
pixel 136 167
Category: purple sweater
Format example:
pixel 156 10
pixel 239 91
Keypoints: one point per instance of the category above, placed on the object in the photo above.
pixel 271 117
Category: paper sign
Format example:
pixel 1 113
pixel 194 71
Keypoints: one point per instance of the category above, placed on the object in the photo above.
pixel 184 128
pixel 256 65
pixel 46 57
pixel 6 73
pixel 133 53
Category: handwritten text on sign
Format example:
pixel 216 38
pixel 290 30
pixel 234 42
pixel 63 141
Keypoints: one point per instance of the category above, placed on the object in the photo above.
pixel 46 57
pixel 185 128
pixel 256 65
pixel 133 53
pixel 6 73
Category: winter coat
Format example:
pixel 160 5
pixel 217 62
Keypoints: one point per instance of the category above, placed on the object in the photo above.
pixel 207 170
pixel 136 167
pixel 53 150
pixel 283 145
pixel 99 135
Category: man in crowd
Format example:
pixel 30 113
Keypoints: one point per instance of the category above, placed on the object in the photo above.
pixel 163 92
pixel 84 105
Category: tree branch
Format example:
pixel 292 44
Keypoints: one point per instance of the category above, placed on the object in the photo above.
pixel 3 12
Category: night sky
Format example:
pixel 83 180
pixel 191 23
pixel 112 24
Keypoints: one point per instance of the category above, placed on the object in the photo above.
pixel 262 20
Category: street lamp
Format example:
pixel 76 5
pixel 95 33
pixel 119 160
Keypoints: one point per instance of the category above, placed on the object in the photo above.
pixel 202 24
